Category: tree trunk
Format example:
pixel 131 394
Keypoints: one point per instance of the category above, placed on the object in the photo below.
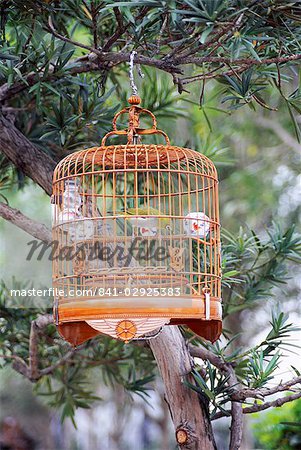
pixel 188 411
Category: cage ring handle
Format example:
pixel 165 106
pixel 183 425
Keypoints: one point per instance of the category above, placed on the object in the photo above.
pixel 139 111
pixel 134 125
pixel 140 132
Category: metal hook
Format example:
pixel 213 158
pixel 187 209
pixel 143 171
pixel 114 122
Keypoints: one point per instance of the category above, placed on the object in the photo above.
pixel 131 72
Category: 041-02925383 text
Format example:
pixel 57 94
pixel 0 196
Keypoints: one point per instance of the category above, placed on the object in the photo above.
pixel 133 292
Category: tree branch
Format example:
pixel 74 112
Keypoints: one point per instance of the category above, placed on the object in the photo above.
pixel 50 28
pixel 203 353
pixel 19 366
pixel 97 59
pixel 121 28
pixel 30 226
pixel 60 362
pixel 33 353
pixel 277 403
pixel 94 14
pixel 261 393
pixel 75 67
pixel 235 62
pixel 31 370
pixel 240 395
pixel 285 137
pixel 223 32
pixel 24 155
pixel 170 64
pixel 37 326
pixel 236 412
pixel 236 408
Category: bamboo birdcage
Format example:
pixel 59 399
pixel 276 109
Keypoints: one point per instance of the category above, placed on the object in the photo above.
pixel 138 237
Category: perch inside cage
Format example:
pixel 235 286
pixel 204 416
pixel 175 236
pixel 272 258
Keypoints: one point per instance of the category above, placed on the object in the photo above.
pixel 137 228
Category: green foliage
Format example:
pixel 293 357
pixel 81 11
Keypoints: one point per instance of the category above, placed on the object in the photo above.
pixel 261 372
pixel 261 264
pixel 214 387
pixel 280 428
pixel 248 263
pixel 69 385
pixel 77 118
pixel 254 366
pixel 67 391
pixel 160 97
pixel 168 31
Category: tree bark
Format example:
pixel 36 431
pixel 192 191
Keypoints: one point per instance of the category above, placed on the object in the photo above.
pixel 30 226
pixel 189 412
pixel 25 156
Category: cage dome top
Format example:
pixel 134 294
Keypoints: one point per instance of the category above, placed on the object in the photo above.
pixel 135 153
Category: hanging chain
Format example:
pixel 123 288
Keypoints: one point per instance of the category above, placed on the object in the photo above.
pixel 131 72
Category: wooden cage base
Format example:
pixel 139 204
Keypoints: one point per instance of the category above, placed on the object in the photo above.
pixel 91 309
pixel 78 332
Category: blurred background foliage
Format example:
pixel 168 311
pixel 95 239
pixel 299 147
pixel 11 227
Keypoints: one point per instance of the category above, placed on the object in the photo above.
pixel 248 125
pixel 279 428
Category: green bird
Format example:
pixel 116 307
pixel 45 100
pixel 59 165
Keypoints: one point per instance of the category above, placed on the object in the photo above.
pixel 150 225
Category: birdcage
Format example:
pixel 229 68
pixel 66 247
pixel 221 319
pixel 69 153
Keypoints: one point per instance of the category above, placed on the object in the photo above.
pixel 136 229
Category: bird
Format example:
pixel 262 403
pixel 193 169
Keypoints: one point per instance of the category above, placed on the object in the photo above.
pixel 146 220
